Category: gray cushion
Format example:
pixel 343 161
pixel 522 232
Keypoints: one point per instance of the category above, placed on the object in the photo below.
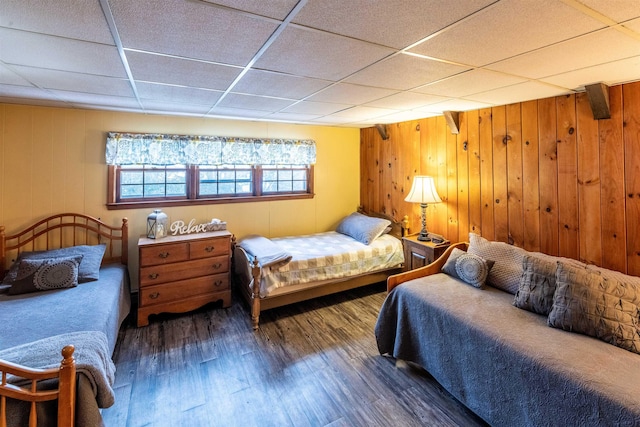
pixel 469 268
pixel 89 267
pixel 538 281
pixel 537 285
pixel 46 274
pixel 507 270
pixel 364 229
pixel 589 303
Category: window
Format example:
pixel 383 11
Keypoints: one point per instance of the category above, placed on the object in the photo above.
pixel 142 185
pixel 159 169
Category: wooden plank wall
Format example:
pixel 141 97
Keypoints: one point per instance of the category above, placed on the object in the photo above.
pixel 542 175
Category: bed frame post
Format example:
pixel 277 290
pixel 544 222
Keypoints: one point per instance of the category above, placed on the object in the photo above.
pixel 67 387
pixel 124 251
pixel 255 294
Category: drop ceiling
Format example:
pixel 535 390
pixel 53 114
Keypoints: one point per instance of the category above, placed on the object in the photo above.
pixel 327 62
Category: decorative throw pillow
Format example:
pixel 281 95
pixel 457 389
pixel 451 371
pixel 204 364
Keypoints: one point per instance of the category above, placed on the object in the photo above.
pixel 537 285
pixel 89 268
pixel 469 268
pixel 507 270
pixel 589 303
pixel 538 281
pixel 364 229
pixel 46 274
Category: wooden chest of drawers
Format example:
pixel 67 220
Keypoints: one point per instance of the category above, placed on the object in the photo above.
pixel 182 273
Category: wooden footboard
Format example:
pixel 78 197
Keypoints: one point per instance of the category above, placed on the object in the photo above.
pixel 65 392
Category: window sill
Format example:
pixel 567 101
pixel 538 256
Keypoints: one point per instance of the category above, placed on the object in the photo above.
pixel 216 201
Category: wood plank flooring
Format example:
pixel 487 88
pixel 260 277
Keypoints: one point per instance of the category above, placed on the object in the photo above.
pixel 311 364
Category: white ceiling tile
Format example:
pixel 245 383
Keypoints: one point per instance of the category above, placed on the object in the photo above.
pixel 237 113
pixel 190 29
pixel 178 94
pixel 345 93
pixel 175 107
pixel 405 100
pixel 97 101
pixel 82 20
pixel 27 93
pixel 321 55
pixel 359 113
pixel 573 54
pixel 401 116
pixel 507 29
pixel 469 82
pixel 267 83
pixel 277 9
pixel 317 108
pixel 403 72
pixel 618 10
pixel 58 53
pixel 249 102
pixel 617 72
pixel 369 20
pixel 518 93
pixel 65 80
pixel 183 72
pixel 454 105
pixel 293 117
pixel 9 77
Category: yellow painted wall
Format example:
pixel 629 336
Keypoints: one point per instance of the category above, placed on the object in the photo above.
pixel 52 161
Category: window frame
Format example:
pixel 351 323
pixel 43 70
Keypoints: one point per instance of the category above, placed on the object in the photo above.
pixel 114 201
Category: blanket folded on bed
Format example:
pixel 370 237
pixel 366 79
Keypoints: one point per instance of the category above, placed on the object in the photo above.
pixel 268 253
pixel 92 357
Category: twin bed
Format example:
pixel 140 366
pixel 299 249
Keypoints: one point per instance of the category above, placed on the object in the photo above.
pixel 363 250
pixel 78 324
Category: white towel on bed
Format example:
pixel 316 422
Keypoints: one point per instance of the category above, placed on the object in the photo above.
pixel 268 253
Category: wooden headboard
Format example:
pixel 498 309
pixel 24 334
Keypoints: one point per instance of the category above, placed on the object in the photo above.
pixel 64 230
pixel 399 229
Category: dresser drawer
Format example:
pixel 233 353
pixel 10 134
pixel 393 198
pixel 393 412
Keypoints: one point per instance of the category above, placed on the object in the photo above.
pixel 171 292
pixel 209 247
pixel 156 274
pixel 164 254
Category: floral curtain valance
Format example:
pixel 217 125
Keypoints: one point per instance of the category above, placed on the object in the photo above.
pixel 160 149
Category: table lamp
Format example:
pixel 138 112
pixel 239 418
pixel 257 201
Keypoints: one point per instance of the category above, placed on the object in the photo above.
pixel 423 191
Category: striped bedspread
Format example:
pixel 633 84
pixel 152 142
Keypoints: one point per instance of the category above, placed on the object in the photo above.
pixel 330 255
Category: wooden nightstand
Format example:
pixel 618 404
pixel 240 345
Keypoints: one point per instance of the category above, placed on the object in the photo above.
pixel 182 273
pixel 418 254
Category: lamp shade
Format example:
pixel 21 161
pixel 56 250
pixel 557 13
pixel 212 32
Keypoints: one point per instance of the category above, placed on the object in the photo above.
pixel 423 190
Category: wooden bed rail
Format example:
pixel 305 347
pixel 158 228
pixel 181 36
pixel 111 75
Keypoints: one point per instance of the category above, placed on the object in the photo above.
pixel 65 392
pixel 427 270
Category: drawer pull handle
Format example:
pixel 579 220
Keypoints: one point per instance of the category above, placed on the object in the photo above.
pixel 218 283
pixel 154 295
pixel 209 248
pixel 163 254
pixel 217 266
pixel 153 276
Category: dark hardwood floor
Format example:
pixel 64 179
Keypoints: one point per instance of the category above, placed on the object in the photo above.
pixel 311 364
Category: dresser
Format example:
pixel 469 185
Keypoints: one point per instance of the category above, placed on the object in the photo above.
pixel 181 273
pixel 418 253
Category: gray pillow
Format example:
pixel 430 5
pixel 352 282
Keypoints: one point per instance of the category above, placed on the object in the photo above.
pixel 467 267
pixel 507 270
pixel 364 229
pixel 589 303
pixel 538 281
pixel 89 267
pixel 537 285
pixel 36 275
